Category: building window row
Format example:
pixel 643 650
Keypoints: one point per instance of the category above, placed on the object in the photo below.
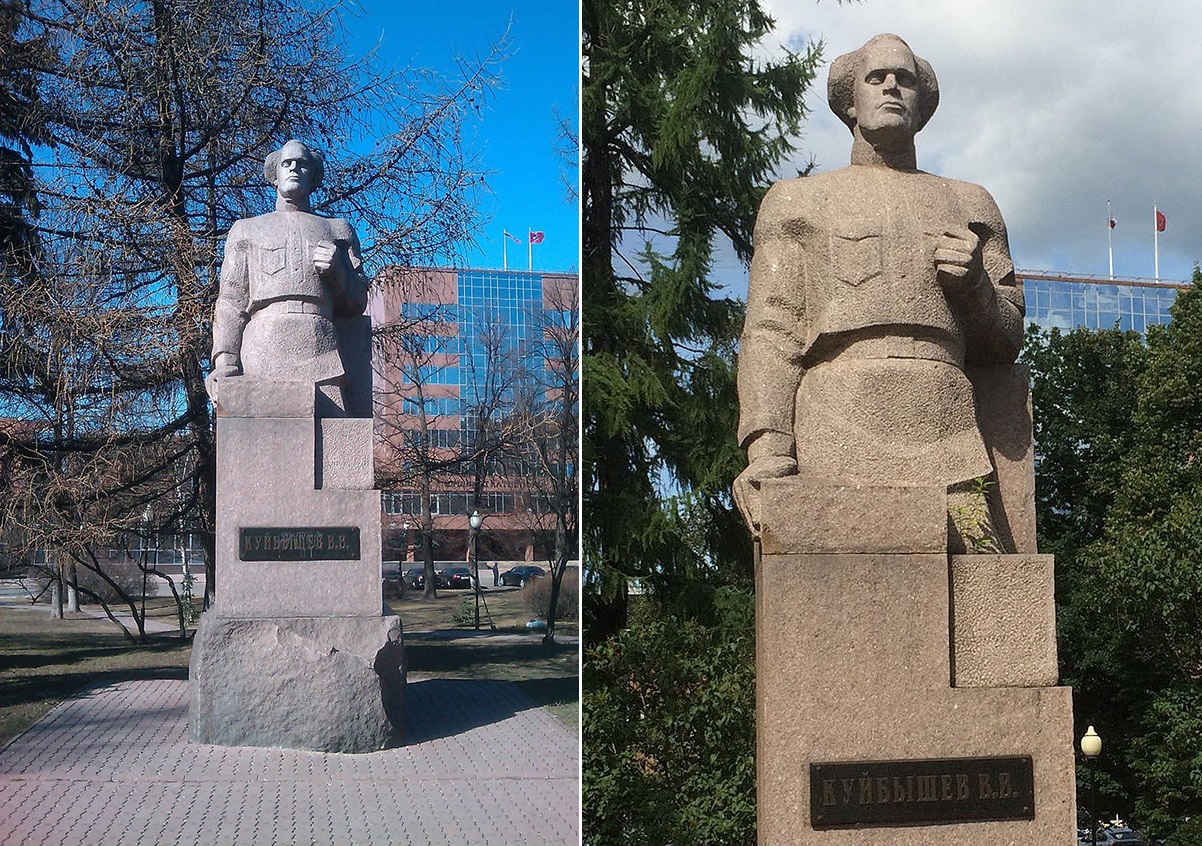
pixel 450 503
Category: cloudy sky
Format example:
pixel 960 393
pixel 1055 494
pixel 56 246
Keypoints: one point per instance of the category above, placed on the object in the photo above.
pixel 517 132
pixel 1055 106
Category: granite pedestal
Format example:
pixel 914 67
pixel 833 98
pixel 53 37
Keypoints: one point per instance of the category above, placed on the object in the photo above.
pixel 296 651
pixel 903 695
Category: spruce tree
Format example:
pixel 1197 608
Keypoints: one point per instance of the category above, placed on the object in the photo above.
pixel 683 128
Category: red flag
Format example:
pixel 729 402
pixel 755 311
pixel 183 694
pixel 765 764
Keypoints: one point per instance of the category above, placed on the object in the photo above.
pixel 1161 222
pixel 536 237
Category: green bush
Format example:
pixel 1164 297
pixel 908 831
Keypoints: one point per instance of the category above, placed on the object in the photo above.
pixel 669 729
pixel 1188 833
pixel 466 613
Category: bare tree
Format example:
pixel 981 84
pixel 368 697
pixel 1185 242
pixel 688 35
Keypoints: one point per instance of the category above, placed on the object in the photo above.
pixel 549 459
pixel 495 372
pixel 418 416
pixel 161 114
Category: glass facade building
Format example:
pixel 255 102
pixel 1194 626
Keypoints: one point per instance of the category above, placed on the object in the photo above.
pixel 1068 302
pixel 455 349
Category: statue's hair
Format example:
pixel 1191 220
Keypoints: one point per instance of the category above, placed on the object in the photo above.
pixel 841 82
pixel 271 165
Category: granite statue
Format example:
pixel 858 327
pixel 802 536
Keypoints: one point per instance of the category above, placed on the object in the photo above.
pixel 872 289
pixel 287 279
pixel 298 650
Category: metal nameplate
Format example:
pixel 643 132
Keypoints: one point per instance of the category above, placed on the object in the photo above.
pixel 299 543
pixel 946 790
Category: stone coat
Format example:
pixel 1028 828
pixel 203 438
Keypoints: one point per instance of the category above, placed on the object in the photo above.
pixel 274 311
pixel 852 347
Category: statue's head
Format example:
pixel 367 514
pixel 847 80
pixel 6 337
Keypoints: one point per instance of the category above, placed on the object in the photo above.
pixel 883 88
pixel 295 170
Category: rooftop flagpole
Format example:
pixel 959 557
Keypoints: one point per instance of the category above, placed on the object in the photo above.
pixel 1110 222
pixel 505 239
pixel 1158 225
pixel 534 237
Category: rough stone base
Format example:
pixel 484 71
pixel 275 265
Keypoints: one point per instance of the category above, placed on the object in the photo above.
pixel 327 684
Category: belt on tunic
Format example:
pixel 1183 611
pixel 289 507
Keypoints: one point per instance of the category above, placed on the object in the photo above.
pixel 294 307
pixel 899 346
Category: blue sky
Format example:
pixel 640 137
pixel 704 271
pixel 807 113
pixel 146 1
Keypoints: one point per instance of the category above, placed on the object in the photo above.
pixel 518 131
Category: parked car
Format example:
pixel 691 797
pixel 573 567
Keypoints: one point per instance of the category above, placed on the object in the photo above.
pixel 1085 838
pixel 457 577
pixel 518 576
pixel 411 576
pixel 1126 836
pixel 415 578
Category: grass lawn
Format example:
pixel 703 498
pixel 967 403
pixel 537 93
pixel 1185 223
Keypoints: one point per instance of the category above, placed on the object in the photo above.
pixel 44 661
pixel 548 675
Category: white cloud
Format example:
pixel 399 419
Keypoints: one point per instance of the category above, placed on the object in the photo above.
pixel 1055 107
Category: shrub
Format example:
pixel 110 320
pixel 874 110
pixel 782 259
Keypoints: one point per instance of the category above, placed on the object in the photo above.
pixel 125 572
pixel 669 729
pixel 536 596
pixel 466 615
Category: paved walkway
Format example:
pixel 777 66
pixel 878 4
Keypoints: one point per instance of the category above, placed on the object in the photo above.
pixel 482 767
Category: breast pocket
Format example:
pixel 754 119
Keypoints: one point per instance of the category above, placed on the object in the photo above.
pixel 273 259
pixel 855 256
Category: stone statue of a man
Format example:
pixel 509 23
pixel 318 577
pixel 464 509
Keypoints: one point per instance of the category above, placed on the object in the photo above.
pixel 287 277
pixel 871 289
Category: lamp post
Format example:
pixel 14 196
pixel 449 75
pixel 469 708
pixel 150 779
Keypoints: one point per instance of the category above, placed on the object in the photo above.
pixel 1091 748
pixel 474 522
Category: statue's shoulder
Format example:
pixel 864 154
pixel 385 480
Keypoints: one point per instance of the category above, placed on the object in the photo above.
pixel 340 229
pixel 803 194
pixel 974 197
pixel 248 228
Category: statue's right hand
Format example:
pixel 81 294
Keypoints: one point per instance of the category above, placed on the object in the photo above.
pixel 746 487
pixel 221 370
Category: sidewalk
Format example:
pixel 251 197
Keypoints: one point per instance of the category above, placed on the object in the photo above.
pixel 482 766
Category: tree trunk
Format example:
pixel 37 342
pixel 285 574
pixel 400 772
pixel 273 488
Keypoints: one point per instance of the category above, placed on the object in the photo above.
pixel 72 590
pixel 56 597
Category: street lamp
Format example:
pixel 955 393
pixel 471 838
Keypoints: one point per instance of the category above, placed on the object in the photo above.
pixel 1091 748
pixel 474 522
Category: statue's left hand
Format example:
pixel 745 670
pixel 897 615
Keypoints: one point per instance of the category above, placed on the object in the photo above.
pixel 958 259
pixel 323 256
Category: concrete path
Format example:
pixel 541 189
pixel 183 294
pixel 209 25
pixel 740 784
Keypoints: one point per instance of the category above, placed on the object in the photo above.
pixel 482 767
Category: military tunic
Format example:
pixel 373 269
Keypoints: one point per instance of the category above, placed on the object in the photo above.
pixel 274 311
pixel 852 347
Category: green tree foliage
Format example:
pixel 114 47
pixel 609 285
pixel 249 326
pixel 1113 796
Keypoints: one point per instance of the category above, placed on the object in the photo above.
pixel 1084 407
pixel 1165 462
pixel 1084 413
pixel 682 130
pixel 1119 434
pixel 669 729
pixel 22 124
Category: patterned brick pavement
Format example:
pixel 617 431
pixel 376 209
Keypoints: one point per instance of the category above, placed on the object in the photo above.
pixel 482 766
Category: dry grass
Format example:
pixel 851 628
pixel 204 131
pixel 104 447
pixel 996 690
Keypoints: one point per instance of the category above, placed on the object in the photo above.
pixel 44 661
pixel 440 647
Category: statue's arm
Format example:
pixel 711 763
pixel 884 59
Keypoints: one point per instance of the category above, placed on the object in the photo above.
pixel 771 350
pixel 990 301
pixel 233 297
pixel 772 343
pixel 348 281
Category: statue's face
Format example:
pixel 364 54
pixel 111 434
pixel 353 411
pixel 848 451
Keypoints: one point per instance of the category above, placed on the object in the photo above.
pixel 295 175
pixel 886 91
